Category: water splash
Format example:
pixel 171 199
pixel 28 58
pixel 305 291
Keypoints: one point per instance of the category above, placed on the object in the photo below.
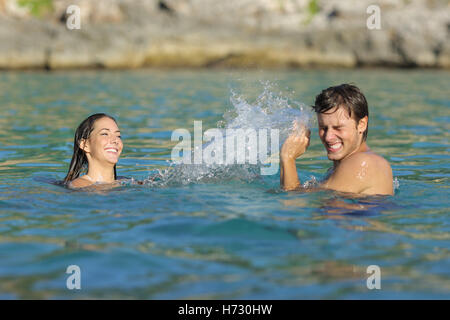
pixel 311 183
pixel 396 184
pixel 271 110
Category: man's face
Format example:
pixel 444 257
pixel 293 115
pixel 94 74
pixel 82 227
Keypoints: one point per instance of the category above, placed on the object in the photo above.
pixel 339 133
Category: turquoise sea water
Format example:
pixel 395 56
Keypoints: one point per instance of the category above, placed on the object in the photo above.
pixel 224 237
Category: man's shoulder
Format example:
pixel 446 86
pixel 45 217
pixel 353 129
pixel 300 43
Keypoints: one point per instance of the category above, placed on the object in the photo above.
pixel 369 160
pixel 364 172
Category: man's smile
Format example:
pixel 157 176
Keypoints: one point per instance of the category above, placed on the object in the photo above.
pixel 334 147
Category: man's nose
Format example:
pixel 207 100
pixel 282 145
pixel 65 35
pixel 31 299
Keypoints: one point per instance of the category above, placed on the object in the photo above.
pixel 329 136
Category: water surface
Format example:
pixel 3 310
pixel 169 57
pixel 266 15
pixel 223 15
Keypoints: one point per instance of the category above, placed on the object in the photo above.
pixel 233 238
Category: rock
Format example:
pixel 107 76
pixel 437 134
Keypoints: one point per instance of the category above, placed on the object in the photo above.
pixel 232 33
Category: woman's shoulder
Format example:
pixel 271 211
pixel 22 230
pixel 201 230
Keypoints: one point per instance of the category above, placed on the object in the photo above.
pixel 79 183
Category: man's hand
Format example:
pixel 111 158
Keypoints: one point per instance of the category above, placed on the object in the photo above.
pixel 295 145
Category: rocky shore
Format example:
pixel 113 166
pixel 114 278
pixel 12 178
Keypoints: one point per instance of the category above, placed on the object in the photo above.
pixel 215 33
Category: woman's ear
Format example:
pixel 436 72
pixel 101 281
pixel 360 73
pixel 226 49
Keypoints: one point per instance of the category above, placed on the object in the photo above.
pixel 84 145
pixel 362 124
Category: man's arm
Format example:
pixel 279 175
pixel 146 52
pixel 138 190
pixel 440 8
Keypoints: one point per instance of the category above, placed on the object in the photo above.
pixel 288 174
pixel 294 146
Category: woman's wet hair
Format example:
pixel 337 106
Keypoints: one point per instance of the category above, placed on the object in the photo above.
pixel 346 95
pixel 79 161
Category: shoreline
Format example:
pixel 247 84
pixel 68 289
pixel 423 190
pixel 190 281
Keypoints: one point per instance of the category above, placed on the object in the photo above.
pixel 225 69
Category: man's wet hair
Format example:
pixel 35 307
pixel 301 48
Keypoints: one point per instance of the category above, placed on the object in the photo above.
pixel 346 95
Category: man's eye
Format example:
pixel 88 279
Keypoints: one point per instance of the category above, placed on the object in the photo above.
pixel 104 134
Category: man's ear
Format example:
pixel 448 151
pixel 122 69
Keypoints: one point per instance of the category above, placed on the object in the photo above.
pixel 84 145
pixel 362 124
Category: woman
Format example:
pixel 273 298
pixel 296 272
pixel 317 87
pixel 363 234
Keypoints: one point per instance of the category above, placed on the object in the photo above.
pixel 97 147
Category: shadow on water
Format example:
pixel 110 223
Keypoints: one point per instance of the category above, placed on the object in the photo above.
pixel 48 180
pixel 357 205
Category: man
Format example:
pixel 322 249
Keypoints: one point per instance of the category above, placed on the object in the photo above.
pixel 343 118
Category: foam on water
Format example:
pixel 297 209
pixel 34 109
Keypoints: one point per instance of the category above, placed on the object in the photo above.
pixel 271 110
pixel 396 184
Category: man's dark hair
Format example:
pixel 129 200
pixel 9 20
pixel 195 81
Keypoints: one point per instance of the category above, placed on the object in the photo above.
pixel 347 96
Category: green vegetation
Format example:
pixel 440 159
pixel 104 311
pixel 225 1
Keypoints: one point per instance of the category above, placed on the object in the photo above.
pixel 313 9
pixel 37 7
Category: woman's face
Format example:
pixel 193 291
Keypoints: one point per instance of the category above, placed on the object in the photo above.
pixel 104 144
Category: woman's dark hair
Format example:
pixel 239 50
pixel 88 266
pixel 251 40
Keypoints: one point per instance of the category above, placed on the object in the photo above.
pixel 347 96
pixel 79 159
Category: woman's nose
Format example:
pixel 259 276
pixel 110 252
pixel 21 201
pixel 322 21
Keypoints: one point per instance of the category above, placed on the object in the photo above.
pixel 115 140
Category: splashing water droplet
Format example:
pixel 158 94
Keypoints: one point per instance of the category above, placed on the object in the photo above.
pixel 396 184
pixel 270 110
